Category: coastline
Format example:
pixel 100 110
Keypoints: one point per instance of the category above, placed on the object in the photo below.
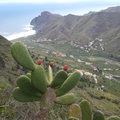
pixel 28 30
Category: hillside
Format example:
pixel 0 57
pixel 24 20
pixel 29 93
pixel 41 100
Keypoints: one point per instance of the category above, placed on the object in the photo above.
pixel 8 67
pixel 9 71
pixel 103 93
pixel 82 30
pixel 105 71
pixel 6 60
pixel 88 44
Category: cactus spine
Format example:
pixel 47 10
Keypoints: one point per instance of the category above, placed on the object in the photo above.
pixel 98 115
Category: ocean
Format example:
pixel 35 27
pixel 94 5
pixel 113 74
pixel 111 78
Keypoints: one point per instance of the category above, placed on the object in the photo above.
pixel 15 18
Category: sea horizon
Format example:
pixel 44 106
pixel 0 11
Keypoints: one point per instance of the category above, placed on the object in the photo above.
pixel 15 20
pixel 16 17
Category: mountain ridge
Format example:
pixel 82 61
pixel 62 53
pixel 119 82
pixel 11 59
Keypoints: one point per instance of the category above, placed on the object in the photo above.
pixel 82 29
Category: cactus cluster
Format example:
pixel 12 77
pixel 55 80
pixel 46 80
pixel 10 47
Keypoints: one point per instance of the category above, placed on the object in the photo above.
pixel 83 109
pixel 36 85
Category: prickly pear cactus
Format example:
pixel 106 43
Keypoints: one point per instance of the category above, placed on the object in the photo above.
pixel 59 79
pixel 66 99
pixel 86 110
pixel 22 56
pixel 83 109
pixel 69 84
pixel 74 111
pixel 36 86
pixel 24 83
pixel 114 118
pixel 73 118
pixel 98 115
pixel 21 96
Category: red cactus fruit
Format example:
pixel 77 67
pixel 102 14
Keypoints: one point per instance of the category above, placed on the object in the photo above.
pixel 65 67
pixel 39 62
pixel 51 64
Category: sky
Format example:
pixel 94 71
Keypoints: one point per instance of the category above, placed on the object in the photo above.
pixel 78 7
pixel 40 1
pixel 13 11
pixel 59 1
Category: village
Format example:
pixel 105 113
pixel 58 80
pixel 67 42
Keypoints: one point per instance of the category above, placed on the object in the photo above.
pixel 93 45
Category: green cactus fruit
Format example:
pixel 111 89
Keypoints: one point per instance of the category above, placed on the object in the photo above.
pixel 21 96
pixel 50 74
pixel 72 118
pixel 114 118
pixel 24 83
pixel 22 56
pixel 69 84
pixel 38 78
pixel 59 79
pixel 66 99
pixel 74 111
pixel 86 110
pixel 98 115
pixel 28 75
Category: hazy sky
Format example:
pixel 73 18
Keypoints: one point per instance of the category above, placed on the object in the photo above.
pixel 13 11
pixel 43 1
pixel 78 7
pixel 40 1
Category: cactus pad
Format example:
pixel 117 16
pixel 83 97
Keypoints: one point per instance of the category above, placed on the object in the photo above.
pixel 38 78
pixel 21 96
pixel 24 83
pixel 72 118
pixel 114 118
pixel 22 56
pixel 66 99
pixel 98 115
pixel 86 110
pixel 74 111
pixel 59 78
pixel 28 75
pixel 50 74
pixel 69 84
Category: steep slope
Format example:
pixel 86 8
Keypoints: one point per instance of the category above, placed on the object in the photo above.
pixel 9 69
pixel 82 29
pixel 53 26
pixel 4 50
pixel 112 9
